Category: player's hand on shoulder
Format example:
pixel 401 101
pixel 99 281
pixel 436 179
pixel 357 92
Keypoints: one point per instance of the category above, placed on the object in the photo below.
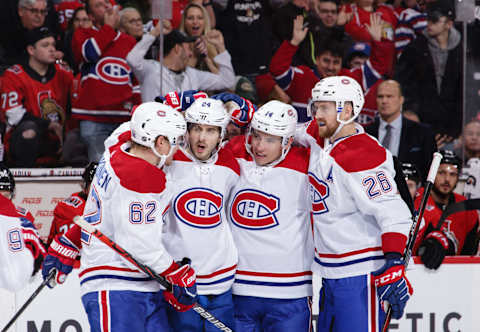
pixel 242 114
pixel 393 286
pixel 433 249
pixel 61 257
pixel 184 290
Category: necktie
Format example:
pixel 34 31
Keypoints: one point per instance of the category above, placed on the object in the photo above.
pixel 388 137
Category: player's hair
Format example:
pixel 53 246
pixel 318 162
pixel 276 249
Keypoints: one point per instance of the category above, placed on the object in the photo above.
pixel 329 45
pixel 28 3
pixel 125 11
pixel 336 2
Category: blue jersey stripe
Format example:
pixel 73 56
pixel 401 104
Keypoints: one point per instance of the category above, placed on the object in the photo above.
pixel 355 261
pixel 216 281
pixel 109 276
pixel 275 284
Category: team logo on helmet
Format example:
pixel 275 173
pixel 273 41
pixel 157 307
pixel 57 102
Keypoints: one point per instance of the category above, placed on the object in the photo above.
pixel 255 210
pixel 199 207
pixel 319 191
pixel 345 81
pixel 113 70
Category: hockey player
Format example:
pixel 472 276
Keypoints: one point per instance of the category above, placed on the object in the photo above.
pixel 458 235
pixel 271 225
pixel 21 251
pixel 360 221
pixel 197 226
pixel 67 209
pixel 128 200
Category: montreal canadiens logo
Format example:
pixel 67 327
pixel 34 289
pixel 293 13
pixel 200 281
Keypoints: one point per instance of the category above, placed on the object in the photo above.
pixel 253 209
pixel 199 207
pixel 319 191
pixel 113 70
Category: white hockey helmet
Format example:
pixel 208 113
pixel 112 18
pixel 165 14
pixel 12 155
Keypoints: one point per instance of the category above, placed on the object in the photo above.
pixel 208 111
pixel 274 118
pixel 339 89
pixel 153 119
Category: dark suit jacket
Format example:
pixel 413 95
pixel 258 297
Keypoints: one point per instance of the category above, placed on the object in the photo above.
pixel 417 143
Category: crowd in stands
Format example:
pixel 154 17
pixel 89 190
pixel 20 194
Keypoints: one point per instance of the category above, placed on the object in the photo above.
pixel 72 70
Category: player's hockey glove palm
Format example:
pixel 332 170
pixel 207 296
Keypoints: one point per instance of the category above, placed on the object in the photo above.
pixel 241 116
pixel 393 286
pixel 61 257
pixel 433 249
pixel 32 241
pixel 184 290
pixel 181 101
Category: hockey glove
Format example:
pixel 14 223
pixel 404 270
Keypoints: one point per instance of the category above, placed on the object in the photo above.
pixel 241 116
pixel 33 243
pixel 181 101
pixel 393 286
pixel 184 289
pixel 433 249
pixel 61 257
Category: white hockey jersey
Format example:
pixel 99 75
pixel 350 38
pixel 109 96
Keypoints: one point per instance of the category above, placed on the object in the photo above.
pixel 358 214
pixel 269 212
pixel 16 260
pixel 197 226
pixel 128 201
pixel 471 172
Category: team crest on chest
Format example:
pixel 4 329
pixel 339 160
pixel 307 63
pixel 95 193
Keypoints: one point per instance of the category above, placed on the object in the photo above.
pixel 319 192
pixel 254 209
pixel 199 207
pixel 113 70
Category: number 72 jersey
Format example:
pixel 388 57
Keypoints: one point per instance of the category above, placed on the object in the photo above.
pixel 358 214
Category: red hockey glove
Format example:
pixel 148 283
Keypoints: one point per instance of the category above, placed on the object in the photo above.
pixel 32 241
pixel 181 101
pixel 393 286
pixel 61 257
pixel 433 249
pixel 184 289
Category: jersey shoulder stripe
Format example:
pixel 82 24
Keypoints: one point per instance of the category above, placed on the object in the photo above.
pixel 359 153
pixel 132 173
pixel 227 159
pixel 296 159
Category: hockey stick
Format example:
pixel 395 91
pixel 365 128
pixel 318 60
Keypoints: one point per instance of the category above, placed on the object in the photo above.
pixel 417 217
pixel 146 269
pixel 30 299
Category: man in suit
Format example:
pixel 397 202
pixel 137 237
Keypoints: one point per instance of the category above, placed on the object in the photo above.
pixel 410 141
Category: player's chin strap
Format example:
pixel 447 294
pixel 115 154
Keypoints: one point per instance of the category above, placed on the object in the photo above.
pixel 163 157
pixel 342 123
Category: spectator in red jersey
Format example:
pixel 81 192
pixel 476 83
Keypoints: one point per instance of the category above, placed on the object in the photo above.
pixel 299 81
pixel 73 206
pixel 131 22
pixel 108 88
pixel 66 11
pixel 34 98
pixel 362 11
pixel 458 235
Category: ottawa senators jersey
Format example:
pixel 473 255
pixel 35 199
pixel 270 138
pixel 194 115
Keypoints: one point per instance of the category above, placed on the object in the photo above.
pixel 197 226
pixel 461 228
pixel 270 216
pixel 64 213
pixel 24 90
